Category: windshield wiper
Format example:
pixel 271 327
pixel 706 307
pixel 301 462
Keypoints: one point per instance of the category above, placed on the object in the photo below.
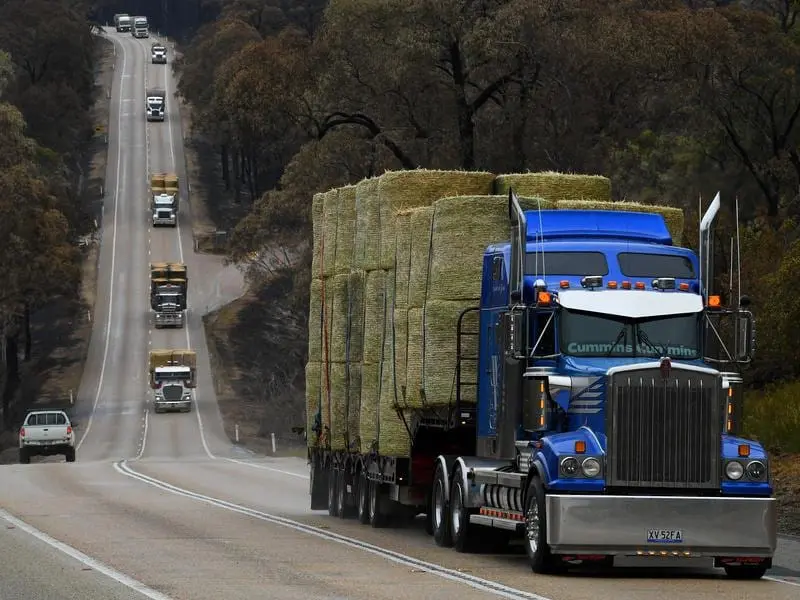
pixel 642 337
pixel 617 340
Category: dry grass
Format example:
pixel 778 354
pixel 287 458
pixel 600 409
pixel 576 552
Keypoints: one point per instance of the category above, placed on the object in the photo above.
pixel 786 473
pixel 258 353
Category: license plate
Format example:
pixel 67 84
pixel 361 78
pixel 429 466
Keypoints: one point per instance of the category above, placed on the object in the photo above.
pixel 664 536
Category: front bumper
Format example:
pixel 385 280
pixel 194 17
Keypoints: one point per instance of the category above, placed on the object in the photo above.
pixel 177 405
pixel 171 221
pixel 169 319
pixel 621 525
pixel 155 117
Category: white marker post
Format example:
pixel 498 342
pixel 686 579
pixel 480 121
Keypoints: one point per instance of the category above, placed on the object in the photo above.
pixel 71 398
pixel 236 432
pixel 272 435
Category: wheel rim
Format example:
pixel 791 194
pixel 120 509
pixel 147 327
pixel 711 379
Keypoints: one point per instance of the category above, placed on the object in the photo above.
pixel 373 499
pixel 331 488
pixel 532 526
pixel 456 513
pixel 362 495
pixel 438 504
pixel 341 494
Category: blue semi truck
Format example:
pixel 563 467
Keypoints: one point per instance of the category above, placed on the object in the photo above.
pixel 609 398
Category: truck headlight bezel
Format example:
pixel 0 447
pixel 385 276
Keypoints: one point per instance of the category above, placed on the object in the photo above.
pixel 756 464
pixel 593 464
pixel 734 470
pixel 569 466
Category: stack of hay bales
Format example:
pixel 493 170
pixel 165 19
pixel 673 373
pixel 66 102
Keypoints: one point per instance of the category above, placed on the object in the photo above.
pixel 396 261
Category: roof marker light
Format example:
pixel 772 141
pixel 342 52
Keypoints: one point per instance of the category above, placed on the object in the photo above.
pixel 684 287
pixel 626 285
pixel 612 285
pixel 544 298
pixel 714 302
pixel 564 284
pixel 639 285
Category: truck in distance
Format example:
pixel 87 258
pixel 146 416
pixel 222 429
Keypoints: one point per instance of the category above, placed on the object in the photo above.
pixel 172 379
pixel 604 417
pixel 158 53
pixel 140 28
pixel 155 104
pixel 122 23
pixel 45 433
pixel 168 291
pixel 165 199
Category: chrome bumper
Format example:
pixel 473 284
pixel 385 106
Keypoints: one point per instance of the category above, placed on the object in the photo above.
pixel 171 221
pixel 621 525
pixel 180 405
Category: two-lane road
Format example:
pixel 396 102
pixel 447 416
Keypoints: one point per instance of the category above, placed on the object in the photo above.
pixel 164 506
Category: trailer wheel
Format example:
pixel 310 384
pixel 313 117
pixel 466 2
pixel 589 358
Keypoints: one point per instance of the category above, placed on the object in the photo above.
pixel 745 572
pixel 440 519
pixel 332 481
pixel 377 513
pixel 341 494
pixel 362 497
pixel 542 561
pixel 318 485
pixel 463 532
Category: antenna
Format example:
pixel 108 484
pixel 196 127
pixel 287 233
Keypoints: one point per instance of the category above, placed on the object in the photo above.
pixel 730 275
pixel 540 238
pixel 738 258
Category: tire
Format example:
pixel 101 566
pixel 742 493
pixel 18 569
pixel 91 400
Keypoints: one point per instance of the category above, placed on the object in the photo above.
pixel 463 532
pixel 541 560
pixel 332 481
pixel 341 494
pixel 745 572
pixel 362 498
pixel 377 513
pixel 69 455
pixel 439 514
pixel 24 456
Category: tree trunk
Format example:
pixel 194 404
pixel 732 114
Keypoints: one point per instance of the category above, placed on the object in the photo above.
pixel 12 378
pixel 226 168
pixel 28 341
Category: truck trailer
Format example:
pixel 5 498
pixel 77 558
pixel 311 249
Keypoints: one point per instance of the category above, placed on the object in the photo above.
pixel 601 418
pixel 172 376
pixel 168 291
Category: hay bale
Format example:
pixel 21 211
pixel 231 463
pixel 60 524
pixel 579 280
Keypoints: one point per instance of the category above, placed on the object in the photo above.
pixel 157 180
pixel 555 186
pixel 463 226
pixel 345 229
pixel 339 398
pixel 403 268
pixel 439 365
pixel 330 211
pixel 400 353
pixel 400 190
pixel 374 312
pixel 368 414
pixel 394 439
pixel 355 294
pixel 415 352
pixel 673 217
pixel 315 321
pixel 367 246
pixel 421 229
pixel 313 396
pixel 338 289
pixel 316 222
pixel 354 407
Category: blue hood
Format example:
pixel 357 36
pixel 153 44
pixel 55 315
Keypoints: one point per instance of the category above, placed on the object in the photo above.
pixel 583 367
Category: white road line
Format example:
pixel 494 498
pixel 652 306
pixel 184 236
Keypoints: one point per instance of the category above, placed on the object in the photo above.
pixel 781 580
pixel 113 253
pixel 478 583
pixel 266 468
pixel 85 560
pixel 144 434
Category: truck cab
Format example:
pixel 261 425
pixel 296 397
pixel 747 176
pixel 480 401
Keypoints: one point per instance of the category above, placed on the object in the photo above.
pixel 172 379
pixel 168 292
pixel 140 27
pixel 158 54
pixel 609 399
pixel 122 23
pixel 155 105
pixel 164 207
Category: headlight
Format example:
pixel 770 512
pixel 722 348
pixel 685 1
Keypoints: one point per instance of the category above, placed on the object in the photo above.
pixel 734 470
pixel 756 470
pixel 591 467
pixel 570 466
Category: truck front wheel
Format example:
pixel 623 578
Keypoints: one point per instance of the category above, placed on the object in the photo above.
pixel 542 561
pixel 746 572
pixel 464 533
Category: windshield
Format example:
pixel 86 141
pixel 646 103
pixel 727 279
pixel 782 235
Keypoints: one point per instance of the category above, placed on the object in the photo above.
pixel 588 334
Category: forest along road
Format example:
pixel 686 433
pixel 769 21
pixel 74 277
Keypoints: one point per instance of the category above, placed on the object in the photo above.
pixel 163 506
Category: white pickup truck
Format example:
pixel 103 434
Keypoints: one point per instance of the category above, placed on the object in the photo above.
pixel 46 432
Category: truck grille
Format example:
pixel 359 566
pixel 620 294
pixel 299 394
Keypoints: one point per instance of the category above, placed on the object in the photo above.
pixel 173 393
pixel 663 433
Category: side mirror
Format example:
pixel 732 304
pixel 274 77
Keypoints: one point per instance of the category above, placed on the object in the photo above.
pixel 745 336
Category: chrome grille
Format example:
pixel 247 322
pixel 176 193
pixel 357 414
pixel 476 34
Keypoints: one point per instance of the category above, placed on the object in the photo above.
pixel 173 393
pixel 663 433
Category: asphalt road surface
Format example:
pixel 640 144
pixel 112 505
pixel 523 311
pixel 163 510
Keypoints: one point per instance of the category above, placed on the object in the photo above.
pixel 165 506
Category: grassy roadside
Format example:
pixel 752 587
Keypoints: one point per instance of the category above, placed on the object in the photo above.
pixel 61 330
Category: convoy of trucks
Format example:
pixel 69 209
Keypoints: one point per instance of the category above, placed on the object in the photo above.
pixel 140 28
pixel 173 376
pixel 123 23
pixel 164 199
pixel 155 104
pixel 602 419
pixel 168 291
